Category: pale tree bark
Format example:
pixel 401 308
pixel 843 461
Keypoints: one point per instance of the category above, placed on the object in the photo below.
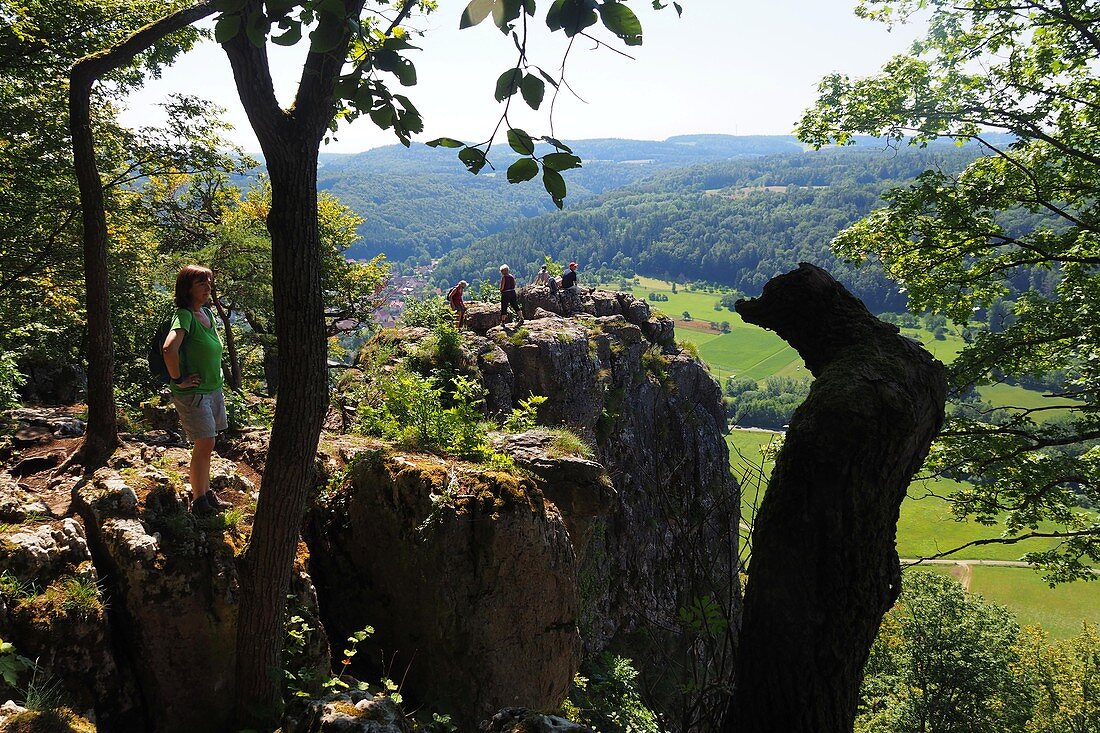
pixel 824 565
pixel 101 437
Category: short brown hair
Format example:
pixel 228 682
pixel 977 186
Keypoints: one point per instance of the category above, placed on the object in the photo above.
pixel 189 275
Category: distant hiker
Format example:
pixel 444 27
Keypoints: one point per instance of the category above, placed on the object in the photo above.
pixel 543 278
pixel 572 302
pixel 508 295
pixel 197 379
pixel 454 299
pixel 569 279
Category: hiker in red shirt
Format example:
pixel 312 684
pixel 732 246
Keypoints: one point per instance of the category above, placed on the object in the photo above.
pixel 454 299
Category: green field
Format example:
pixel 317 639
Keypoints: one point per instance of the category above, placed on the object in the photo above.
pixel 751 351
pixel 926 527
pixel 1059 610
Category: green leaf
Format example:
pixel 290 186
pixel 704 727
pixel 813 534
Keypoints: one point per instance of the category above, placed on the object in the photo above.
pixel 256 27
pixel 561 161
pixel 549 79
pixel 620 20
pixel 331 7
pixel 533 90
pixel 326 37
pixel 475 12
pixel 679 10
pixel 364 97
pixel 474 158
pixel 383 116
pixel 406 103
pixel 504 12
pixel 411 122
pixel 396 64
pixel 571 16
pixel 554 184
pixel 523 169
pixel 444 142
pixel 557 143
pixel 529 7
pixel 520 141
pixel 508 84
pixel 397 43
pixel 229 6
pixel 292 35
pixel 226 28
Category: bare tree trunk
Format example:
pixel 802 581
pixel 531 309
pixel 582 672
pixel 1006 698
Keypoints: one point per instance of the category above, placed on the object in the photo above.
pixel 101 437
pixel 824 566
pixel 233 377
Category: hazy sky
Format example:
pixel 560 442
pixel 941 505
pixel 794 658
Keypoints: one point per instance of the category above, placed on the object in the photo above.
pixel 726 66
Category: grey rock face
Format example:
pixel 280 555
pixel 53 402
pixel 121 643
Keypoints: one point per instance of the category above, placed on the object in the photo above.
pixel 58 618
pixel 659 537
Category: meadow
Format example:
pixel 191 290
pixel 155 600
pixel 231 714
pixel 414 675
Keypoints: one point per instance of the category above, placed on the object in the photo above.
pixel 751 351
pixel 926 525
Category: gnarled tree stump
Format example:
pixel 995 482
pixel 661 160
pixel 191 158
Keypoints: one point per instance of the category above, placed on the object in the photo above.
pixel 824 565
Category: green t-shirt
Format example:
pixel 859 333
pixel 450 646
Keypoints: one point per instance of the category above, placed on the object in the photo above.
pixel 203 352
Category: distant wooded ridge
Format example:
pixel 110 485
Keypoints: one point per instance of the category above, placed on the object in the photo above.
pixel 733 210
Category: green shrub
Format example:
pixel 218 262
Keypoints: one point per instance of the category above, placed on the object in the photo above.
pixel 11 379
pixel 607 699
pixel 427 313
pixel 526 415
pixel 655 362
pixel 409 408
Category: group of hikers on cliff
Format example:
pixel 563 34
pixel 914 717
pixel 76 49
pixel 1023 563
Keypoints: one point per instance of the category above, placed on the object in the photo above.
pixel 566 285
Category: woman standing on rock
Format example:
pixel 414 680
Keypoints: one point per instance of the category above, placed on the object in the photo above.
pixel 197 382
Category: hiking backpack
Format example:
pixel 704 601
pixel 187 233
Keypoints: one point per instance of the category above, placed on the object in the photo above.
pixel 157 367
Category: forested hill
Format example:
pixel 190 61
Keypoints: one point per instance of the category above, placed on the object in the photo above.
pixel 421 203
pixel 736 222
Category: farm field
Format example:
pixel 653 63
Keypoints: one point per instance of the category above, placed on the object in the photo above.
pixel 1060 611
pixel 750 351
pixel 926 527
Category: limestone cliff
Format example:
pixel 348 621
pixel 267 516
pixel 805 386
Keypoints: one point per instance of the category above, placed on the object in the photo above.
pixel 500 584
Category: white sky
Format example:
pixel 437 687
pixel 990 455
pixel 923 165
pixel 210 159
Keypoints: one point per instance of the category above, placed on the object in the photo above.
pixel 737 67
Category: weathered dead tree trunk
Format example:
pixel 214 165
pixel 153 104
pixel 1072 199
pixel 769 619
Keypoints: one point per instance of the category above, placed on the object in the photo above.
pixel 824 565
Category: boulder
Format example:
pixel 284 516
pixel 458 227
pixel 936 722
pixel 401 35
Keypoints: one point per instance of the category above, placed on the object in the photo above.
pixel 53 608
pixel 354 711
pixel 522 720
pixel 174 588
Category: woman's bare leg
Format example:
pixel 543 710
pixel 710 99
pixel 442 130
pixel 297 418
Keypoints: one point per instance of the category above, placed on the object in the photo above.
pixel 200 466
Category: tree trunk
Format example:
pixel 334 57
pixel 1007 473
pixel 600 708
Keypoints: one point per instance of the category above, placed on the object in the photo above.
pixel 299 413
pixel 233 376
pixel 101 436
pixel 824 565
pixel 271 369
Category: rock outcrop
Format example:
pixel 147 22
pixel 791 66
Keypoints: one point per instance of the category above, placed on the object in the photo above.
pixel 467 575
pixel 131 604
pixel 650 520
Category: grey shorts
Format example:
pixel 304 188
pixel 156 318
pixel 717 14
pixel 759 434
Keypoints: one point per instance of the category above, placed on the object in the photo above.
pixel 202 415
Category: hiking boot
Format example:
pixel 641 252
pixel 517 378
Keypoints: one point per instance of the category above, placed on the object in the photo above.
pixel 202 506
pixel 216 501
